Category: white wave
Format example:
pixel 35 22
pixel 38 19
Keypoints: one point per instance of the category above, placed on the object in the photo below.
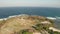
pixel 58 17
pixel 1 19
pixel 23 15
pixel 12 16
pixel 5 18
pixel 53 18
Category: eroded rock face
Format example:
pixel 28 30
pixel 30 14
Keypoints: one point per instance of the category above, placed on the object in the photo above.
pixel 15 24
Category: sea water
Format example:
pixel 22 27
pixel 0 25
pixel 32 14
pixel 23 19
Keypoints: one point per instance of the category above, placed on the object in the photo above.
pixel 49 12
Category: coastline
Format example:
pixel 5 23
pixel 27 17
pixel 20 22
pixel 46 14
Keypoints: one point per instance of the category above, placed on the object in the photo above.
pixel 52 18
pixel 43 22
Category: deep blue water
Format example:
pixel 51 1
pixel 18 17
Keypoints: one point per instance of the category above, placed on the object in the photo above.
pixel 42 11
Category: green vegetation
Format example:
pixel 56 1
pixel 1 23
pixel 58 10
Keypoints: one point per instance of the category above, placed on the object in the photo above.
pixel 53 32
pixel 41 26
pixel 24 32
pixel 38 27
pixel 56 32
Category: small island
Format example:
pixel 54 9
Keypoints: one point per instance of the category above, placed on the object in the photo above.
pixel 27 24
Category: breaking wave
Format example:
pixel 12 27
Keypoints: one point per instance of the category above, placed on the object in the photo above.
pixel 12 16
pixel 52 18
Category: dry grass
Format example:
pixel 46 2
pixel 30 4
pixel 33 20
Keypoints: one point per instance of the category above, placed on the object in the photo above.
pixel 15 24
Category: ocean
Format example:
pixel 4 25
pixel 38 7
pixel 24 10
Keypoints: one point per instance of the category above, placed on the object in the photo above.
pixel 41 11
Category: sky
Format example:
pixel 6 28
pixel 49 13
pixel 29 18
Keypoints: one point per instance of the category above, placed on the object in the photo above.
pixel 30 3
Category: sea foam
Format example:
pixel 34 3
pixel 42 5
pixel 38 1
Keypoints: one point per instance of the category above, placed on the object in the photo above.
pixel 52 18
pixel 12 16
